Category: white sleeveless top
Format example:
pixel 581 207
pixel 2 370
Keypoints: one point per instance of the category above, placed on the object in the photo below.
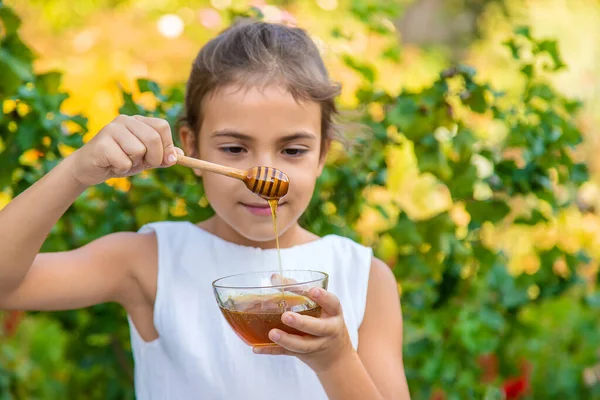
pixel 198 355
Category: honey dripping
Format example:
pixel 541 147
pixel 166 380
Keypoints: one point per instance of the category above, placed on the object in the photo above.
pixel 273 205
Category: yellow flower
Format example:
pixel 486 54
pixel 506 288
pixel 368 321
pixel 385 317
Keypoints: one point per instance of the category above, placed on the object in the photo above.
pixel 179 209
pixel 387 249
pixel 203 202
pixel 376 112
pixel 459 215
pixel 5 198
pixel 8 106
pixel 30 157
pixel 122 184
pixel 561 268
pixel 533 291
pixel 65 150
pixel 23 109
pixel 531 264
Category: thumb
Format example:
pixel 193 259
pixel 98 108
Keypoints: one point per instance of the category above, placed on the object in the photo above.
pixel 172 154
pixel 164 130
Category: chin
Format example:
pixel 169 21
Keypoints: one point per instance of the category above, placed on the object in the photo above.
pixel 257 235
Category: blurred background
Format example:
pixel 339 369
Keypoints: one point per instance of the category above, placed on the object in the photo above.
pixel 477 181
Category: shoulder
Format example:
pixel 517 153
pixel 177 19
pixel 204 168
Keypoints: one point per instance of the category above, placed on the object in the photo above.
pixel 383 297
pixel 124 252
pixel 381 275
pixel 121 245
pixel 134 257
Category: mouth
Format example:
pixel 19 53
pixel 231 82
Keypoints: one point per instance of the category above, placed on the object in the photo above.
pixel 259 209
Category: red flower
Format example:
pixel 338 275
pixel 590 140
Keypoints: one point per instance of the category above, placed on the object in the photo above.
pixel 489 365
pixel 438 394
pixel 11 322
pixel 514 388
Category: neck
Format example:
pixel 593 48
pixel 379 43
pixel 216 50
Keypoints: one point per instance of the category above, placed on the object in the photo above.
pixel 292 236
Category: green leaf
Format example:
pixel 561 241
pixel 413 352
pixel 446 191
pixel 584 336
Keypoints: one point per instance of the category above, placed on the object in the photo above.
pixel 10 20
pixel 433 160
pixel 48 83
pixel 10 81
pixel 27 135
pixel 492 319
pixel 392 53
pixel 523 31
pixel 129 106
pixel 74 140
pixel 21 69
pixel 17 49
pixel 573 106
pixel 513 47
pixel 146 85
pixel 366 70
pixel 476 100
pixel 494 393
pixel 405 232
pixel 593 300
pixel 551 47
pixel 580 173
pixel 542 91
pixel 403 113
pixel 467 71
pixel 535 218
pixel 491 210
pixel 527 70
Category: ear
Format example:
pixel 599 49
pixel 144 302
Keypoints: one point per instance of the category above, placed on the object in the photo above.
pixel 323 158
pixel 190 144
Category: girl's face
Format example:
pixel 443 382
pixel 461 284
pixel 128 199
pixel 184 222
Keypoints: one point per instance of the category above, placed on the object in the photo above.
pixel 243 128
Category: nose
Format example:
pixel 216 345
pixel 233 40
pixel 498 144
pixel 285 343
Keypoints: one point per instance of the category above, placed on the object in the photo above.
pixel 264 158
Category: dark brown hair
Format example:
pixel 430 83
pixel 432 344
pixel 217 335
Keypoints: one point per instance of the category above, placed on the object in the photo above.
pixel 258 54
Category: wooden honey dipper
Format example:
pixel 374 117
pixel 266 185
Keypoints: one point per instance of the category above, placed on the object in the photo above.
pixel 267 182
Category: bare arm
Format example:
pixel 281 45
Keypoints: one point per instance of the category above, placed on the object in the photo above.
pixel 102 271
pixel 380 335
pixel 376 371
pixel 27 220
pixel 97 272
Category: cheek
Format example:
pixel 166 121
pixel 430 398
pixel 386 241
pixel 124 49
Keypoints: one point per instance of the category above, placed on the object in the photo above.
pixel 219 188
pixel 302 187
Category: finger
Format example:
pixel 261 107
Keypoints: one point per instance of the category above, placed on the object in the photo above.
pixel 307 324
pixel 278 279
pixel 117 159
pixel 164 130
pixel 271 350
pixel 130 145
pixel 150 138
pixel 296 343
pixel 327 300
pixel 177 151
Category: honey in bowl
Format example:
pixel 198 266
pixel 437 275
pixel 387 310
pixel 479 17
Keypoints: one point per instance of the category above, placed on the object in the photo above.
pixel 253 316
pixel 252 303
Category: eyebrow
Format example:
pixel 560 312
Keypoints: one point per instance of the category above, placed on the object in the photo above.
pixel 241 136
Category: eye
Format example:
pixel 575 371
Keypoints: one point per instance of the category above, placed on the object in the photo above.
pixel 232 149
pixel 294 152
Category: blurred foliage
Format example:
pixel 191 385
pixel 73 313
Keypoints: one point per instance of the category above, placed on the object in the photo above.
pixel 449 174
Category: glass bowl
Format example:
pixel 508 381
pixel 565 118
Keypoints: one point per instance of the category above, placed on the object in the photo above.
pixel 252 303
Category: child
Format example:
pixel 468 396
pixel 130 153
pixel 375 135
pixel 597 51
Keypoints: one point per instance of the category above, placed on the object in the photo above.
pixel 258 94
